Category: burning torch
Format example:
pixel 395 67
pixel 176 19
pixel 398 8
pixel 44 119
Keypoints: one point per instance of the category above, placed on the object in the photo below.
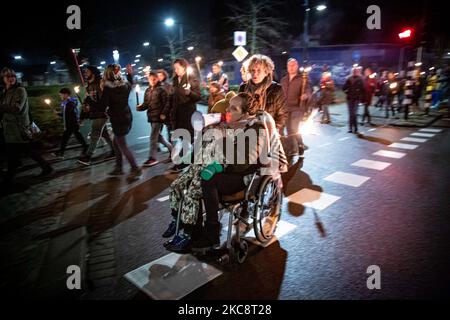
pixel 77 92
pixel 137 89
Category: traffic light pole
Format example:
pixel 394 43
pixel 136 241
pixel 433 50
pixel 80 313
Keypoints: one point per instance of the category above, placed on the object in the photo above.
pixel 305 32
pixel 401 58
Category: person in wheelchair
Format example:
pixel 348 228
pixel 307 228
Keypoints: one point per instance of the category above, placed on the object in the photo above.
pixel 188 190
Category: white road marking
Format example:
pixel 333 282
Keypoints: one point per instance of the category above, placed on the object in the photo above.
pixel 430 130
pixel 313 199
pixel 343 139
pixel 142 138
pixel 283 228
pixel 173 276
pixel 371 130
pixel 390 154
pixel 423 135
pixel 403 146
pixel 325 145
pixel 163 199
pixel 348 179
pixel 414 140
pixel 370 164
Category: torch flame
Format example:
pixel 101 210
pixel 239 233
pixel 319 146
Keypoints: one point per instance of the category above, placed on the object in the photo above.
pixel 47 101
pixel 137 88
pixel 77 89
pixel 308 126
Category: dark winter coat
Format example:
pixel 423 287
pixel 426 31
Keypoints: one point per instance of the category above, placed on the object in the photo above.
pixel 275 102
pixel 156 101
pixel 182 105
pixel 293 90
pixel 115 101
pixel 326 93
pixel 354 88
pixel 15 110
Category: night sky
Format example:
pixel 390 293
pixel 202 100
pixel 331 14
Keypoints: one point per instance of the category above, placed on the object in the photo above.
pixel 37 30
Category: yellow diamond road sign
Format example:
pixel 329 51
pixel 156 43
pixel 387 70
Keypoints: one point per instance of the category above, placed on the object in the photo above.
pixel 240 53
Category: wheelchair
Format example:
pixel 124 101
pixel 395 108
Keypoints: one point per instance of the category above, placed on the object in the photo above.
pixel 256 208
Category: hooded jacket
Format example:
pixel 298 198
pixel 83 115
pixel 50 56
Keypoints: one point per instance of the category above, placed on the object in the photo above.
pixel 115 101
pixel 70 114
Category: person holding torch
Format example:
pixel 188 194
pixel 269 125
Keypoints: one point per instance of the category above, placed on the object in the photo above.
pixel 93 111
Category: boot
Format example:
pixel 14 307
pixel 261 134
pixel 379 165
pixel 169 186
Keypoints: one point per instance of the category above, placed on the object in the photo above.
pixel 211 238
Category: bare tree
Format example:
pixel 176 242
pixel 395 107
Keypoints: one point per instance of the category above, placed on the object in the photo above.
pixel 178 49
pixel 264 29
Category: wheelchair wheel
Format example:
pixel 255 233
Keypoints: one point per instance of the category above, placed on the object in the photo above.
pixel 267 210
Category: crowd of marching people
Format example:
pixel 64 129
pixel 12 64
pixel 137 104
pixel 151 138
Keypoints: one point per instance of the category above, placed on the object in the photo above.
pixel 285 105
pixel 172 102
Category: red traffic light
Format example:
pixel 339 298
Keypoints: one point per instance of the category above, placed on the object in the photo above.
pixel 406 33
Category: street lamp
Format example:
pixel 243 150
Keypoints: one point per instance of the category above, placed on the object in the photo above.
pixel 160 60
pixel 52 62
pixel 190 48
pixel 306 27
pixel 116 56
pixel 170 22
pixel 138 56
pixel 146 44
pixel 18 58
pixel 103 63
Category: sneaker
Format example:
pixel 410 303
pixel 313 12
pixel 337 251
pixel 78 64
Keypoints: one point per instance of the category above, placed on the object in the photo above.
pixel 116 172
pixel 179 244
pixel 170 232
pixel 86 160
pixel 175 169
pixel 135 173
pixel 150 162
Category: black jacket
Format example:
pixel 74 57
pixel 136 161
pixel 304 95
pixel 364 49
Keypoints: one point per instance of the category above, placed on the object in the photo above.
pixel 156 101
pixel 354 88
pixel 275 102
pixel 115 101
pixel 182 105
pixel 94 92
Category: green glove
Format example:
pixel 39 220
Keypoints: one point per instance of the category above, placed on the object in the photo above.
pixel 210 171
